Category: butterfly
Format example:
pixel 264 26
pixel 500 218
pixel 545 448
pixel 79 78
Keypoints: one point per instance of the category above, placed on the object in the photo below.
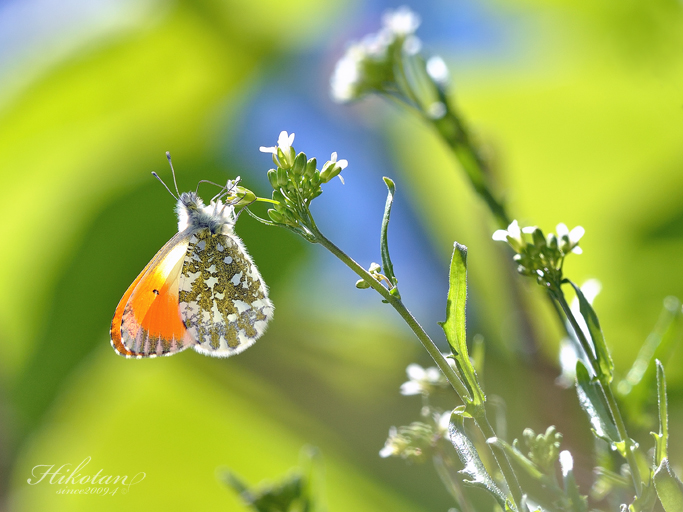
pixel 201 290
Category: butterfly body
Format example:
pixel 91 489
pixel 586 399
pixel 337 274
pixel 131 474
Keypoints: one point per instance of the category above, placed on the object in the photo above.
pixel 201 290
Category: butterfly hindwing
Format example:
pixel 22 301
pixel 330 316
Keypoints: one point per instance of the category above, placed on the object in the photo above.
pixel 223 300
pixel 147 321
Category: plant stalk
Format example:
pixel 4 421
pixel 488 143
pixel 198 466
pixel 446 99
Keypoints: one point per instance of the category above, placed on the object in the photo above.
pixel 451 375
pixel 606 390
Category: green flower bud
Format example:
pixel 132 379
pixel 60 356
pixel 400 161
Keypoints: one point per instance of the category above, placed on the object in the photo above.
pixel 245 196
pixel 552 241
pixel 310 168
pixel 276 216
pixel 281 177
pixel 272 177
pixel 286 158
pixel 565 244
pixel 362 284
pixel 538 238
pixel 329 172
pixel 315 179
pixel 277 196
pixel 299 164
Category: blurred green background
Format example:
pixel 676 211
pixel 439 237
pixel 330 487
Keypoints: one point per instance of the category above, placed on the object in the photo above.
pixel 579 103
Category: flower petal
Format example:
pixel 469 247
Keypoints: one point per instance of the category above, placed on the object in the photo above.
pixel 264 149
pixel 576 234
pixel 411 388
pixel 415 371
pixel 500 235
pixel 513 230
pixel 561 230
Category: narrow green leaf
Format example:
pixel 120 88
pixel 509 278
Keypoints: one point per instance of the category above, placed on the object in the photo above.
pixel 669 488
pixel 387 266
pixel 474 467
pixel 661 438
pixel 601 351
pixel 454 325
pixel 591 401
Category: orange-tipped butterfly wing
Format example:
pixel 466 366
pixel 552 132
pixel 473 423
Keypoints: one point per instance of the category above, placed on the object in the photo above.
pixel 147 322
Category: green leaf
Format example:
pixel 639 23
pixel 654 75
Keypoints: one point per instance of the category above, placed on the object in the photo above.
pixel 474 467
pixel 605 362
pixel 661 438
pixel 387 266
pixel 591 401
pixel 646 501
pixel 296 492
pixel 669 488
pixel 454 325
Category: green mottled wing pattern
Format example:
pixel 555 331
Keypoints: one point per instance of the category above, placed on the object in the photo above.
pixel 223 300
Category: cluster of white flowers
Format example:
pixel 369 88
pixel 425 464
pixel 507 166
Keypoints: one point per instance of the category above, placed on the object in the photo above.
pixel 423 381
pixel 367 65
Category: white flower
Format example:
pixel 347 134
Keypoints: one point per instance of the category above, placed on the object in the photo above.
pixel 573 236
pixel 511 235
pixel 401 21
pixel 422 381
pixel 566 462
pixel 391 445
pixel 346 78
pixel 437 70
pixel 284 142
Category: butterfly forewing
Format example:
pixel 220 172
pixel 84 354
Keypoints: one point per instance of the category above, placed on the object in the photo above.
pixel 147 322
pixel 223 300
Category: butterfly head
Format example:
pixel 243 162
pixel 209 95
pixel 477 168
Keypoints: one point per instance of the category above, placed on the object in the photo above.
pixel 194 214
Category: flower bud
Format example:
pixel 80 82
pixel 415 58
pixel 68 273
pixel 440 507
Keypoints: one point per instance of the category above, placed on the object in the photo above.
pixel 538 238
pixel 272 177
pixel 281 177
pixel 299 164
pixel 329 172
pixel 310 167
pixel 277 196
pixel 315 179
pixel 362 284
pixel 276 216
pixel 552 241
pixel 286 157
pixel 565 244
pixel 244 195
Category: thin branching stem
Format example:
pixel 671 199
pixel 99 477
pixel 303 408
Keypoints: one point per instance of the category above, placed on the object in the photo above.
pixel 606 390
pixel 453 378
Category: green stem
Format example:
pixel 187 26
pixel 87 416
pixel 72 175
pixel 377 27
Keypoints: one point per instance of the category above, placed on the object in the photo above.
pixel 454 133
pixel 606 390
pixel 453 378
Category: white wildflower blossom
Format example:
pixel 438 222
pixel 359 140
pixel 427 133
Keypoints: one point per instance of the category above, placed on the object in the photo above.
pixel 422 381
pixel 401 22
pixel 347 76
pixel 393 444
pixel 566 462
pixel 511 235
pixel 284 142
pixel 572 237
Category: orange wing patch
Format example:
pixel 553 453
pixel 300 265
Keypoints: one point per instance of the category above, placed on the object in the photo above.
pixel 147 321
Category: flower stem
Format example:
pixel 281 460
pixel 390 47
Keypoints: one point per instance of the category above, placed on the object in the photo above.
pixel 558 295
pixel 453 378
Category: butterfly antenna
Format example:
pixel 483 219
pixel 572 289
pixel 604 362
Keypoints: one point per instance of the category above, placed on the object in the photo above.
pixel 211 183
pixel 168 155
pixel 164 184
